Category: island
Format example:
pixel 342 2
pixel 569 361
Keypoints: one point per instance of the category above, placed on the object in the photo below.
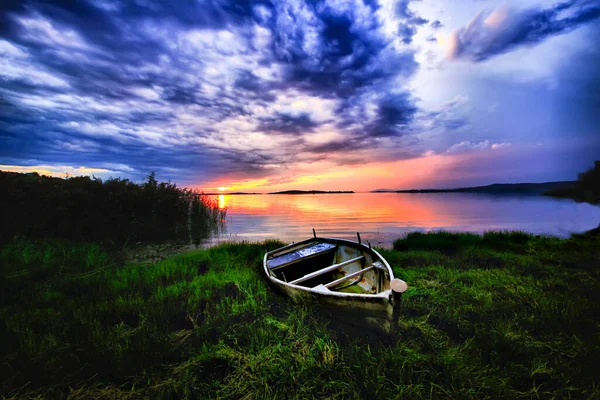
pixel 497 188
pixel 313 192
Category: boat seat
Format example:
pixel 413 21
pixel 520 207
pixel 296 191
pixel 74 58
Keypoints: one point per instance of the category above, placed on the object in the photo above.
pixel 325 270
pixel 379 265
pixel 301 254
pixel 349 276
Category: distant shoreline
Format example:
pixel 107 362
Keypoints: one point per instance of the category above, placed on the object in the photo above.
pixel 313 192
pixel 543 188
pixel 285 192
pixel 497 188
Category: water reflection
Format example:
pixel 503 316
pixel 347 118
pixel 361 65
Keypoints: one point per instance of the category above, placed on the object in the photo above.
pixel 381 217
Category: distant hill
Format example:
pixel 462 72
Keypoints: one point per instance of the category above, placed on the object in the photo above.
pixel 497 188
pixel 312 192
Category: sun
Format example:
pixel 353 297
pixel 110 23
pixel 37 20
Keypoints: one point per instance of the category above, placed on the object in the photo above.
pixel 221 189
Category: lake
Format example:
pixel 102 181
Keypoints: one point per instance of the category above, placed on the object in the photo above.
pixel 382 217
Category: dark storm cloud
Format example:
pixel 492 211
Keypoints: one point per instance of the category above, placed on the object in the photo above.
pixel 289 124
pixel 107 23
pixel 336 146
pixel 406 32
pixel 436 24
pixel 409 21
pixel 184 86
pixel 107 31
pixel 491 34
pixel 246 80
pixel 254 87
pixel 393 115
pixel 403 11
pixel 346 59
pixel 395 112
pixel 180 95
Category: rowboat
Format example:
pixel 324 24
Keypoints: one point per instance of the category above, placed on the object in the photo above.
pixel 349 279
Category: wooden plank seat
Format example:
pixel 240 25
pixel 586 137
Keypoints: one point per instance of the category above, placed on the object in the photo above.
pixel 300 254
pixel 291 249
pixel 375 265
pixel 349 276
pixel 325 270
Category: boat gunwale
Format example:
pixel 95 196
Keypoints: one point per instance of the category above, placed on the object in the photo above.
pixel 381 295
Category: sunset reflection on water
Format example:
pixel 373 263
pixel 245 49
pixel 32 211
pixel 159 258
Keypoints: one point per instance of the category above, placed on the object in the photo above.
pixel 382 217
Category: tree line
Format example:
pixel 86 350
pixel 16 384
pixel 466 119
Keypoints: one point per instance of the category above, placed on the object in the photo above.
pixel 586 188
pixel 114 211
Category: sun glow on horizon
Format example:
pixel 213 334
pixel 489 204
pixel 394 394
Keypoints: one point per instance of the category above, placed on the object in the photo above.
pixel 364 177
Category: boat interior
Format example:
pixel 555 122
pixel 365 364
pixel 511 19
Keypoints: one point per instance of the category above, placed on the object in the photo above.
pixel 330 266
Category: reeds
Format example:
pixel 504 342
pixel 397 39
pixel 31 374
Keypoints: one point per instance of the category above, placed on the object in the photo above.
pixel 115 211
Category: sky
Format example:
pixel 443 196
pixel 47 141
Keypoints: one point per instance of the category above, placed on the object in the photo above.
pixel 269 95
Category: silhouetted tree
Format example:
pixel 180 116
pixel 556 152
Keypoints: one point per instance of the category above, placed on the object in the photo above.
pixel 586 188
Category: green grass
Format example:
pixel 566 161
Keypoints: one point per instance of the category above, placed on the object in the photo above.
pixel 503 315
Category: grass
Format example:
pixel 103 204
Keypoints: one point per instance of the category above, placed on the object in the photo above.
pixel 506 315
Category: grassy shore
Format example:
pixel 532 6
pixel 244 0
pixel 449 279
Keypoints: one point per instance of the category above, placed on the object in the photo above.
pixel 504 315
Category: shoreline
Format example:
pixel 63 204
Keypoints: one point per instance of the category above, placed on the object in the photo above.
pixel 156 252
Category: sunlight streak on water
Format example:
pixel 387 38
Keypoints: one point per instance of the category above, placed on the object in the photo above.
pixel 382 217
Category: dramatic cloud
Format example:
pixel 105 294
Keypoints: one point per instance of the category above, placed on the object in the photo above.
pixel 286 123
pixel 408 21
pixel 204 88
pixel 268 90
pixel 503 29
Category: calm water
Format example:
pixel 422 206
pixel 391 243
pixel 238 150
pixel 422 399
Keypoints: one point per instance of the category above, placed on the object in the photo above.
pixel 382 217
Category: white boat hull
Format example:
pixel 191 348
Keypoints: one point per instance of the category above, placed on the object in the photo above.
pixel 376 310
